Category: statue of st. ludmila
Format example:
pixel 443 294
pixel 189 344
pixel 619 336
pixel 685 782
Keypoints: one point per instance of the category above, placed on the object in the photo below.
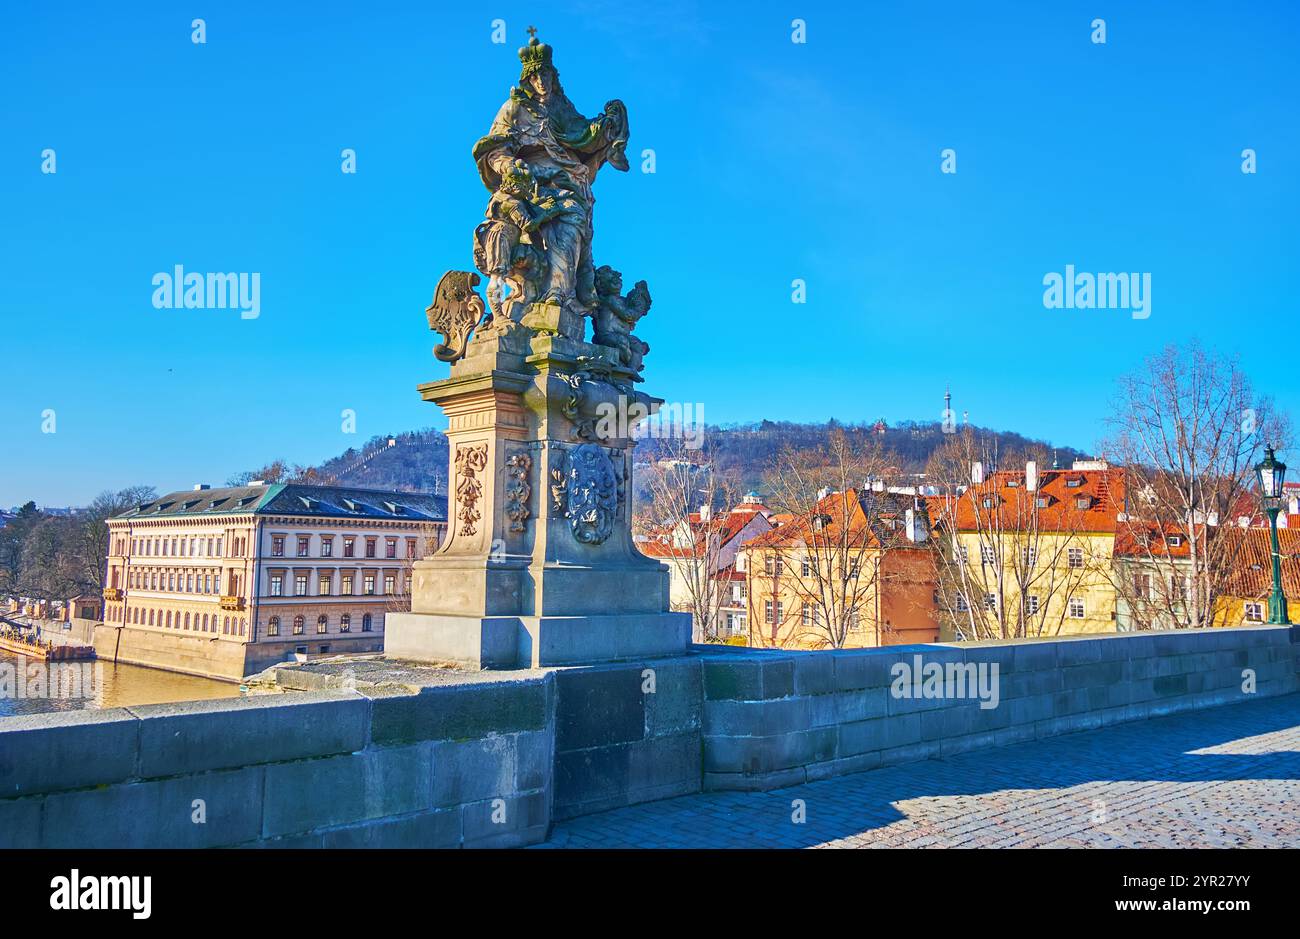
pixel 538 565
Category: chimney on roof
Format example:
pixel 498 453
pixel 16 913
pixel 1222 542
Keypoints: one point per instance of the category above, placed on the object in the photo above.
pixel 976 473
pixel 823 492
pixel 199 487
pixel 257 482
pixel 1031 476
pixel 706 512
pixel 878 485
pixel 912 524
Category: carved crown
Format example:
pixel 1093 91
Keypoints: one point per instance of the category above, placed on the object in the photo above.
pixel 535 56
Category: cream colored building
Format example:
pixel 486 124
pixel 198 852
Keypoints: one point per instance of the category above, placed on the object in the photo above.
pixel 225 582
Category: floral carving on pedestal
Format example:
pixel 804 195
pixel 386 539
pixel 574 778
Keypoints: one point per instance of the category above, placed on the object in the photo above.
pixel 470 461
pixel 518 468
pixel 593 494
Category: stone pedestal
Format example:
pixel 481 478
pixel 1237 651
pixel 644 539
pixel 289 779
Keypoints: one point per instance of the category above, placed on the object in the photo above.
pixel 538 566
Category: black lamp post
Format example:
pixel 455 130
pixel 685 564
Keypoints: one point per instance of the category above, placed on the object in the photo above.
pixel 1271 473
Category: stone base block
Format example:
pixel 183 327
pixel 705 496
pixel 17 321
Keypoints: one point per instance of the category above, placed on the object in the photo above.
pixel 506 642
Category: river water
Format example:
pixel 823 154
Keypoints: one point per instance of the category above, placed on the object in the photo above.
pixel 30 686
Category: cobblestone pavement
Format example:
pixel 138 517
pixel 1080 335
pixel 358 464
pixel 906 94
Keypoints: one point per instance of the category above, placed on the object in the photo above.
pixel 1224 777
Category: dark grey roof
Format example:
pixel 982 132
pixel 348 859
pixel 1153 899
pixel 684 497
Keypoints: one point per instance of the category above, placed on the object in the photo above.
pixel 295 499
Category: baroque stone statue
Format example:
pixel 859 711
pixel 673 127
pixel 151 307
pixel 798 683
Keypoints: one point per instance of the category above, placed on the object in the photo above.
pixel 539 566
pixel 539 162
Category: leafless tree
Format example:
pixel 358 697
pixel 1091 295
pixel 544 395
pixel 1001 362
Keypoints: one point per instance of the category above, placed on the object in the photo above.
pixel 1189 429
pixel 681 483
pixel 1012 548
pixel 827 561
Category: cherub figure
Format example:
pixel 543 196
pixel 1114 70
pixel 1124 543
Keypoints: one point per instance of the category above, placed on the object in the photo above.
pixel 504 243
pixel 616 315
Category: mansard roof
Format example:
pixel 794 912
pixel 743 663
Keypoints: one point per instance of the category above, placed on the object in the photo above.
pixel 294 499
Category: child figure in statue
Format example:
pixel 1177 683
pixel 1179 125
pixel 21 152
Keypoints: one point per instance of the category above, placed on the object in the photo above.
pixel 504 244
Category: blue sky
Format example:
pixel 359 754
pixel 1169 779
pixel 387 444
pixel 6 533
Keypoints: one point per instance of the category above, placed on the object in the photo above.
pixel 775 161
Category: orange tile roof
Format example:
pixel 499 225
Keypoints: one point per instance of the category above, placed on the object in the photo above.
pixel 1015 505
pixel 1252 576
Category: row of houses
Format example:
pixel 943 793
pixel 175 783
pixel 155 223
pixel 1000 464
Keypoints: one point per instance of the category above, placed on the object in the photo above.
pixel 1008 554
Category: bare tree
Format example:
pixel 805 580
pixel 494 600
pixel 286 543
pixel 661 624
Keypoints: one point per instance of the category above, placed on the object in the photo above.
pixel 1189 428
pixel 1015 545
pixel 679 525
pixel 826 562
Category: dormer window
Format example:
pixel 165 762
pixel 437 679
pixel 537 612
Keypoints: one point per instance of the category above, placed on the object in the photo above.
pixel 988 502
pixel 393 508
pixel 1013 484
pixel 1074 482
pixel 1083 502
pixel 1175 541
pixel 1041 502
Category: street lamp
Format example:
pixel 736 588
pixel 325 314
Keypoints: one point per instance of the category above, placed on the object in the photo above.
pixel 1271 473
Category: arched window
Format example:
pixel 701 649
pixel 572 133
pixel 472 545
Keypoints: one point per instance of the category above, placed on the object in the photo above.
pixel 345 623
pixel 322 624
pixel 187 620
pixel 273 626
pixel 298 623
pixel 366 623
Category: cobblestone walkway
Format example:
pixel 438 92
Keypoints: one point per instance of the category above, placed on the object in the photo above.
pixel 1224 777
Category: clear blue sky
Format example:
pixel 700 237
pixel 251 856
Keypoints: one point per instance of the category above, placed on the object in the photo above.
pixel 775 161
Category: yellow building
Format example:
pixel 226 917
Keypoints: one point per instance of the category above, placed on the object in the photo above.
pixel 1029 553
pixel 858 573
pixel 226 582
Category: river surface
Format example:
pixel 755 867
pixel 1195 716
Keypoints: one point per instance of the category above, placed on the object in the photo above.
pixel 96 684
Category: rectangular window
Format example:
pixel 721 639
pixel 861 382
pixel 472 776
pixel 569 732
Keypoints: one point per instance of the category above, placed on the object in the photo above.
pixel 1254 612
pixel 304 542
pixel 326 587
pixel 347 586
pixel 349 547
pixel 390 584
pixel 300 585
pixel 277 546
pixel 1142 586
pixel 327 547
pixel 805 567
pixel 1031 604
pixel 390 548
pixel 962 605
pixel 368 583
pixel 370 547
pixel 1075 556
pixel 1178 588
pixel 1077 610
pixel 987 554
pixel 410 548
pixel 990 601
pixel 1031 557
pixel 807 615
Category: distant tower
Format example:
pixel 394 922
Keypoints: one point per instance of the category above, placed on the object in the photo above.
pixel 947 398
